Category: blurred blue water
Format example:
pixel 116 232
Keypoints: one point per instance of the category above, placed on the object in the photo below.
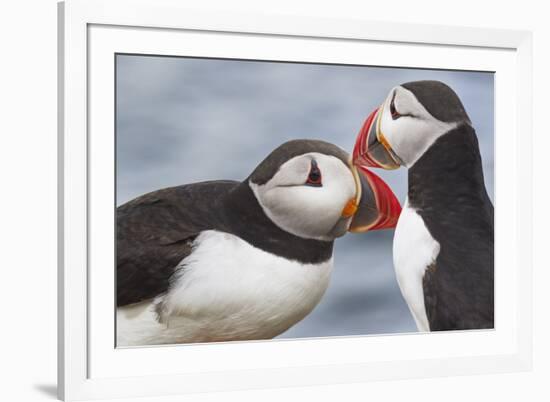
pixel 185 120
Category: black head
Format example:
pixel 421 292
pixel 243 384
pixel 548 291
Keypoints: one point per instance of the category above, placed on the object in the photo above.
pixel 413 116
pixel 310 189
pixel 439 100
pixel 289 150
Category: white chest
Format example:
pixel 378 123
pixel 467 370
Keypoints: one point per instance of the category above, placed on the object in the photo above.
pixel 414 249
pixel 228 290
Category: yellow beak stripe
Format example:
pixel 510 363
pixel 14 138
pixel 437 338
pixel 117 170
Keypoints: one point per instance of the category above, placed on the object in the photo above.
pixel 352 205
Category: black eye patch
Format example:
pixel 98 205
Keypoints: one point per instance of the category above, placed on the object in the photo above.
pixel 314 178
pixel 393 111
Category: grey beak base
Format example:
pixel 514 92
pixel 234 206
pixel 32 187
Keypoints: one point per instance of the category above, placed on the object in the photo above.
pixel 367 212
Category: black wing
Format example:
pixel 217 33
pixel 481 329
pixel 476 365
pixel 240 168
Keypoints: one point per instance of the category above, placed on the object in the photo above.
pixel 429 284
pixel 447 189
pixel 454 300
pixel 459 285
pixel 155 232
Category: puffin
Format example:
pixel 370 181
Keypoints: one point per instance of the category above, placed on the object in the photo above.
pixel 226 260
pixel 443 248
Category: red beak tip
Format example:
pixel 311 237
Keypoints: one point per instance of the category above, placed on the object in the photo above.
pixel 360 154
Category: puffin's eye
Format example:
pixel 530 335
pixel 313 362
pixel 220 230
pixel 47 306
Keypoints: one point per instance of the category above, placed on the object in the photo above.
pixel 314 178
pixel 394 113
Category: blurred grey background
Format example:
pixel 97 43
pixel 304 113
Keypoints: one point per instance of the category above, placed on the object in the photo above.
pixel 182 120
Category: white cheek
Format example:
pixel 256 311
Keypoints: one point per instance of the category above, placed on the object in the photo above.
pixel 316 204
pixel 411 137
pixel 306 211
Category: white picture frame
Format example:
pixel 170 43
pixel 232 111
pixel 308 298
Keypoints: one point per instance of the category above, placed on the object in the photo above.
pixel 92 31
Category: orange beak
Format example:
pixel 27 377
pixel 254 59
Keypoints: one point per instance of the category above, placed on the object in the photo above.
pixel 350 209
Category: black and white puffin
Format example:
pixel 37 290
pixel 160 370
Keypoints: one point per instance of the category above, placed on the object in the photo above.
pixel 443 244
pixel 226 260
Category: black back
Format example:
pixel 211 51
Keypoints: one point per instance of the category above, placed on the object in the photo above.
pixel 155 232
pixel 446 188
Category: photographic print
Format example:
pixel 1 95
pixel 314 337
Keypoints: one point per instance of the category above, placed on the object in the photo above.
pixel 260 199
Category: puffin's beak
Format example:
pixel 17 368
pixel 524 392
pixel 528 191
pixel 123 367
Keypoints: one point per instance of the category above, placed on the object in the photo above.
pixel 375 205
pixel 371 147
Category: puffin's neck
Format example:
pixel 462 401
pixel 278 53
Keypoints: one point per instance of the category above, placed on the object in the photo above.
pixel 245 218
pixel 449 173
